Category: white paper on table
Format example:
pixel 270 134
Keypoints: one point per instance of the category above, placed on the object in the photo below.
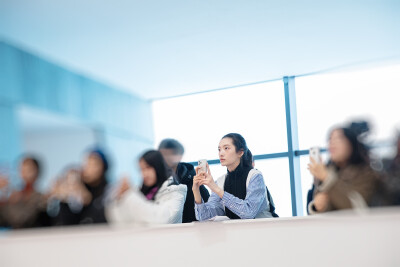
pixel 219 218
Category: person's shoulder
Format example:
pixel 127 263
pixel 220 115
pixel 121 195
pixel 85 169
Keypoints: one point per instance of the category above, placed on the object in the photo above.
pixel 254 173
pixel 185 172
pixel 171 185
pixel 362 171
pixel 186 165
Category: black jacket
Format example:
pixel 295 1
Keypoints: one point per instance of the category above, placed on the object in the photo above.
pixel 184 174
pixel 92 213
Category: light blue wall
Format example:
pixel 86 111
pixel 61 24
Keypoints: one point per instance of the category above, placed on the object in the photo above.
pixel 123 120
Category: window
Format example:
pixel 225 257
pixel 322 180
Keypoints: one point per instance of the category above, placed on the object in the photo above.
pixel 199 121
pixel 257 112
pixel 277 179
pixel 326 100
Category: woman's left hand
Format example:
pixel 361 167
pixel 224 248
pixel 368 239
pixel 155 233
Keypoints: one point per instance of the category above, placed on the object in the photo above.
pixel 318 170
pixel 209 181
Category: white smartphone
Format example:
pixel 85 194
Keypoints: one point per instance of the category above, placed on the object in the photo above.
pixel 315 154
pixel 203 165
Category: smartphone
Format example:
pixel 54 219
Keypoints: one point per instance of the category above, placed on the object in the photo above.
pixel 315 154
pixel 203 165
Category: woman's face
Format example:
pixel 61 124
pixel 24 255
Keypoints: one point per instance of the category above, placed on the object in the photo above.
pixel 93 169
pixel 28 171
pixel 148 173
pixel 339 147
pixel 227 153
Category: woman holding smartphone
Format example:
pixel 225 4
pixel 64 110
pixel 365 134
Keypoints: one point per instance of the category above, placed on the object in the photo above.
pixel 347 181
pixel 241 193
pixel 159 201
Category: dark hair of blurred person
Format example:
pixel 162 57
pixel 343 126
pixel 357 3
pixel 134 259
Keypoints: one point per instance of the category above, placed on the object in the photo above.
pixel 82 192
pixel 160 199
pixel 391 177
pixel 27 207
pixel 172 151
pixel 347 181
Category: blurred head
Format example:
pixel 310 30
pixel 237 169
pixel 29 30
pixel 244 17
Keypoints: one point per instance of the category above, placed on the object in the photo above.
pixel 233 151
pixel 153 168
pixel 345 147
pixel 172 151
pixel 29 170
pixel 95 167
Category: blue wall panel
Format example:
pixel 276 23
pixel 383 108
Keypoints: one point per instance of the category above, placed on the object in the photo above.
pixel 124 120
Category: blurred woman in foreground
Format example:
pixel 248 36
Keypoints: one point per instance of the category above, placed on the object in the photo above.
pixel 160 200
pixel 347 181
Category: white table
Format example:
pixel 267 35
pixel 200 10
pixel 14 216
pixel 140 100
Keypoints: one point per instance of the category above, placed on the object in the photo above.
pixel 337 239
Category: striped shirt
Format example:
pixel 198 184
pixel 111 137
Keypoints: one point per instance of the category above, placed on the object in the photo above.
pixel 255 205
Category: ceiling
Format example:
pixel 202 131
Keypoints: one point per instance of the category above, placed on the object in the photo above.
pixel 160 48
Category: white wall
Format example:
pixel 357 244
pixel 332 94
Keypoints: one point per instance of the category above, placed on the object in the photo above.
pixel 58 149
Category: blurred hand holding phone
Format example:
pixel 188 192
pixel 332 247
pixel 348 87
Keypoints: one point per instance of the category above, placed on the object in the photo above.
pixel 315 154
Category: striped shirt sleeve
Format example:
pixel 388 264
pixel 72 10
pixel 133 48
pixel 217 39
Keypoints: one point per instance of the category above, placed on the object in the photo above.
pixel 247 208
pixel 212 208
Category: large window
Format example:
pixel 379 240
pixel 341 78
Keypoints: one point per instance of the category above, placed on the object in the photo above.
pixel 199 121
pixel 257 112
pixel 324 101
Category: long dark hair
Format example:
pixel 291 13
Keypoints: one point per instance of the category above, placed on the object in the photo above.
pixel 235 181
pixel 353 133
pixel 155 160
pixel 240 145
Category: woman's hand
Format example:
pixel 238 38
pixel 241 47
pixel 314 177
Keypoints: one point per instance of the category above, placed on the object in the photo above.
pixel 67 188
pixel 197 182
pixel 321 201
pixel 318 170
pixel 123 187
pixel 197 179
pixel 208 180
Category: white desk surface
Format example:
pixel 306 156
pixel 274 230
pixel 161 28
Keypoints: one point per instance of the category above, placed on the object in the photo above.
pixel 336 239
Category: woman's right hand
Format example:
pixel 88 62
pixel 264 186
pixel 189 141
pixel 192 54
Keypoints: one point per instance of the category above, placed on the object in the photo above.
pixel 197 181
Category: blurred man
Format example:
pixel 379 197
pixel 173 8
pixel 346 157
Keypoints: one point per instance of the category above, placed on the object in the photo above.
pixel 172 152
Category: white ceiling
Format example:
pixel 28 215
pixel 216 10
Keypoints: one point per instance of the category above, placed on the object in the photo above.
pixel 160 48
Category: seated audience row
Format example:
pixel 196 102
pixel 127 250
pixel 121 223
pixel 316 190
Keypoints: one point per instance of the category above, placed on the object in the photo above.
pixel 175 192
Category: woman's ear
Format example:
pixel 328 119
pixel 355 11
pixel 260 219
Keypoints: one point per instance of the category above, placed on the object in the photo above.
pixel 241 153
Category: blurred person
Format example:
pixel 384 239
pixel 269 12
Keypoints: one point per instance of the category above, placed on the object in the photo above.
pixel 172 152
pixel 239 194
pixel 347 181
pixel 25 208
pixel 82 193
pixel 391 177
pixel 160 200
